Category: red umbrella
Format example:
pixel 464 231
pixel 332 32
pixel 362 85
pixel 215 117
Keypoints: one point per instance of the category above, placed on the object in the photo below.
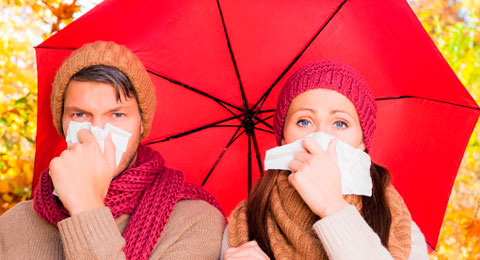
pixel 218 66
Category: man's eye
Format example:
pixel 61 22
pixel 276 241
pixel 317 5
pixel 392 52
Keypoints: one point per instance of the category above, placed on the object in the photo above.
pixel 304 123
pixel 118 115
pixel 78 114
pixel 340 124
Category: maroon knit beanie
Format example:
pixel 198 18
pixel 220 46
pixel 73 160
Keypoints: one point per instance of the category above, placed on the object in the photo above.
pixel 331 75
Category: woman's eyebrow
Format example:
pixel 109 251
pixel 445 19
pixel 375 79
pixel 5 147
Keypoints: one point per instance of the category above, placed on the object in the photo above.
pixel 338 111
pixel 345 112
pixel 305 109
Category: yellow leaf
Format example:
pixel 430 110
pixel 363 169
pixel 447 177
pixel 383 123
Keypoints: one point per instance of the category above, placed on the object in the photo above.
pixel 7 198
pixel 4 187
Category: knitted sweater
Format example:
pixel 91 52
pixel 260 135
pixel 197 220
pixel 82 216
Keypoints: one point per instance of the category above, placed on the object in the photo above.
pixel 345 235
pixel 194 231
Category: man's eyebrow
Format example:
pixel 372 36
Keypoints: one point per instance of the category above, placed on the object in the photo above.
pixel 118 107
pixel 73 108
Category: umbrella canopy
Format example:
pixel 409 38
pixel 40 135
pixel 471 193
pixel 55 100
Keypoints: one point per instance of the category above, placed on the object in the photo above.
pixel 218 67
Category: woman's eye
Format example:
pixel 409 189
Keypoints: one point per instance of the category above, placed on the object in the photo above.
pixel 118 115
pixel 304 123
pixel 340 124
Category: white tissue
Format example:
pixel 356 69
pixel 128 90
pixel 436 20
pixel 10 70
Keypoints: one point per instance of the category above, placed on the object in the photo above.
pixel 354 164
pixel 120 140
pixel 119 137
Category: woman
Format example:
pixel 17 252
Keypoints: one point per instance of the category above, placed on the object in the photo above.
pixel 301 213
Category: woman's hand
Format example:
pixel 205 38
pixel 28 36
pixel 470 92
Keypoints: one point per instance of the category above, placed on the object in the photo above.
pixel 317 178
pixel 249 250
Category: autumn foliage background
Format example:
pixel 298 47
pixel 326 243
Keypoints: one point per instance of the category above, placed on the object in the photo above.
pixel 452 24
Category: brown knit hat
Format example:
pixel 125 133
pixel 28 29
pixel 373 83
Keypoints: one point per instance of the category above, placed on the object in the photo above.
pixel 107 54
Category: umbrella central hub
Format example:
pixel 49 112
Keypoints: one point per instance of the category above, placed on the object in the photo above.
pixel 249 121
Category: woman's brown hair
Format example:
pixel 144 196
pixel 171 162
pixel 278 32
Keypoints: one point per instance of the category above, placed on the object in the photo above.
pixel 375 209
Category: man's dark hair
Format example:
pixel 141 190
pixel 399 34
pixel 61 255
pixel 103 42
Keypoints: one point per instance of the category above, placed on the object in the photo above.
pixel 109 75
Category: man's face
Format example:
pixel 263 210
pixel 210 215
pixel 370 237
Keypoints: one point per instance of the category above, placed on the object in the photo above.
pixel 97 103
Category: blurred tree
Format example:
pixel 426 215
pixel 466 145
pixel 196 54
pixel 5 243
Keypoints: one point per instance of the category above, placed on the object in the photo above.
pixel 453 26
pixel 23 23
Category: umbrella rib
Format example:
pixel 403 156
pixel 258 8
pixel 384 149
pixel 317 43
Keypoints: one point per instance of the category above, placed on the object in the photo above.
pixel 55 48
pixel 190 131
pixel 219 101
pixel 257 152
pixel 429 99
pixel 235 139
pixel 232 140
pixel 265 95
pixel 262 121
pixel 266 111
pixel 430 245
pixel 249 161
pixel 233 58
pixel 264 130
pixel 226 126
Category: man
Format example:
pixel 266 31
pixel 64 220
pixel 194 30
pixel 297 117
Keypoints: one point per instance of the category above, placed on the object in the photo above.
pixel 138 209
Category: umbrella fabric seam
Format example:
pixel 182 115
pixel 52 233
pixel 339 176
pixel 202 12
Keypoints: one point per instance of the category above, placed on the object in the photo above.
pixel 190 131
pixel 265 95
pixel 219 101
pixel 429 99
pixel 232 140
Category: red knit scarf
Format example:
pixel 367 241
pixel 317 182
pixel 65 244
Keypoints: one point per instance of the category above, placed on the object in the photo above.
pixel 147 191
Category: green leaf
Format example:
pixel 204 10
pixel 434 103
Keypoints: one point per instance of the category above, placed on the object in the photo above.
pixel 18 191
pixel 22 112
pixel 20 101
pixel 3 166
pixel 30 140
pixel 7 143
pixel 4 121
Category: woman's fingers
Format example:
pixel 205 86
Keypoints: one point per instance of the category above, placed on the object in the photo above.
pixel 301 156
pixel 249 250
pixel 317 178
pixel 332 150
pixel 312 147
pixel 295 165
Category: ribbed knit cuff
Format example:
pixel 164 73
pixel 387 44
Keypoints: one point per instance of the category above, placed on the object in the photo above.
pixel 92 233
pixel 346 235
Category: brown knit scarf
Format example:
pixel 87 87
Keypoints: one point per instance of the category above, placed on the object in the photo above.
pixel 290 221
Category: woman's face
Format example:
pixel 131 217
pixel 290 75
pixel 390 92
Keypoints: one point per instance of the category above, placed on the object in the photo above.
pixel 323 110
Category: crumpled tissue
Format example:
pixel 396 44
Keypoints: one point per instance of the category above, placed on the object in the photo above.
pixel 354 164
pixel 120 137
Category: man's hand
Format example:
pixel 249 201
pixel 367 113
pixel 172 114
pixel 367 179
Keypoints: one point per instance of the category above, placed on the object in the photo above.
pixel 81 175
